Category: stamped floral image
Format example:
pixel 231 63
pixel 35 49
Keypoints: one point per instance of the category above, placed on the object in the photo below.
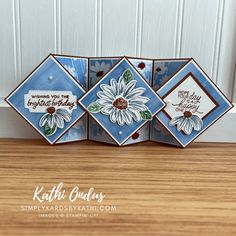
pixel 122 101
pixel 187 122
pixel 53 119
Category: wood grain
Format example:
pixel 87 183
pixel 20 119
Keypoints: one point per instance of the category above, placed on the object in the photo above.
pixel 157 189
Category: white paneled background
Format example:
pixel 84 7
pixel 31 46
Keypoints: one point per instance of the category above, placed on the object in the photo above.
pixel 31 29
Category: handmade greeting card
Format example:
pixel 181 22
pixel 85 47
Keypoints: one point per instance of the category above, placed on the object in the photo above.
pixel 193 102
pixel 122 102
pixel 48 99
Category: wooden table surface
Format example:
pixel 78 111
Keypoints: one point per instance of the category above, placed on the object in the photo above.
pixel 150 189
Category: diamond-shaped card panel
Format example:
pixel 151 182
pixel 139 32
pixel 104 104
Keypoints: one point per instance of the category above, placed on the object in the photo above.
pixel 98 67
pixel 122 101
pixel 48 99
pixel 78 68
pixel 193 104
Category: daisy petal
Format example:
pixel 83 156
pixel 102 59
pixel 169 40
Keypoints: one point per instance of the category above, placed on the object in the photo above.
pixel 135 92
pixel 113 116
pixel 106 67
pixel 97 66
pixel 128 118
pixel 139 99
pixel 182 124
pixel 64 113
pixel 138 107
pixel 59 121
pixel 107 110
pixel 106 95
pixel 104 102
pixel 129 87
pixel 121 86
pixel 134 113
pixel 93 68
pixel 176 120
pixel 43 120
pixel 102 65
pixel 120 118
pixel 197 122
pixel 108 89
pixel 51 121
pixel 188 126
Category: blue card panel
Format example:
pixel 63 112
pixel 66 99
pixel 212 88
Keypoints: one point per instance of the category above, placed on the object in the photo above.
pixel 47 99
pixel 77 67
pixel 193 104
pixel 119 123
pixel 98 67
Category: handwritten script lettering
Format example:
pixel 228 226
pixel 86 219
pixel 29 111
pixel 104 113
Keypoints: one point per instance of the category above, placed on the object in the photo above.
pixel 58 192
pixel 189 102
pixel 39 100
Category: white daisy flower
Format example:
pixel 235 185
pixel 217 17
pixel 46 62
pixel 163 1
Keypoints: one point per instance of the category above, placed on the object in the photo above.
pixel 160 68
pixel 54 119
pixel 99 70
pixel 121 101
pixel 71 70
pixel 187 122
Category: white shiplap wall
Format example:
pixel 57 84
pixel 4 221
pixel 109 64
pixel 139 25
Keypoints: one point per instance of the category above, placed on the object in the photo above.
pixel 31 29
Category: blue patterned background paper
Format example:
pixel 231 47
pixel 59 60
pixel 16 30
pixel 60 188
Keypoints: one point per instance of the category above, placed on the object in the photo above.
pixel 164 70
pixel 223 104
pixel 97 133
pixel 160 134
pixel 99 67
pixel 144 67
pixel 121 133
pixel 77 67
pixel 39 80
pixel 77 132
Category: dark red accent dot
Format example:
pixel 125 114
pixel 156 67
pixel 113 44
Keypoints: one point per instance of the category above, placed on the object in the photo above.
pixel 120 103
pixel 187 114
pixel 158 69
pixel 99 73
pixel 135 135
pixel 141 65
pixel 51 110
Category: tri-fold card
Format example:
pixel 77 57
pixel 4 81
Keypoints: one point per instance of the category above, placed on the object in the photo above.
pixel 119 100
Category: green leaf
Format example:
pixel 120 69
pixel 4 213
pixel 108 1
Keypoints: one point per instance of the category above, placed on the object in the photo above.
pixel 146 115
pixel 94 107
pixel 49 131
pixel 128 76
